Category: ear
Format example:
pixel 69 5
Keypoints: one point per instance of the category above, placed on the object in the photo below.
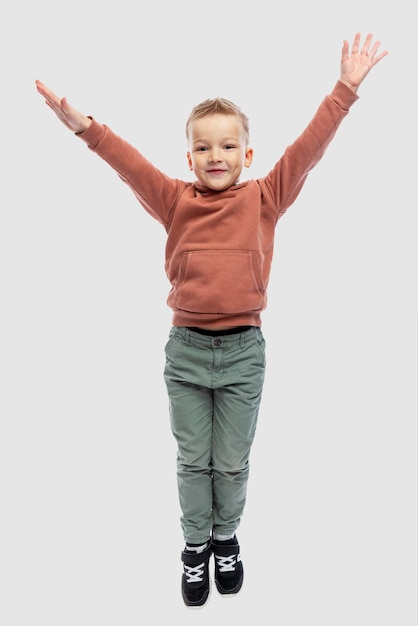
pixel 248 157
pixel 189 161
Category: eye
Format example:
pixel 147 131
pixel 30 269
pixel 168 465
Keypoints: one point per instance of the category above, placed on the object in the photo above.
pixel 201 149
pixel 229 147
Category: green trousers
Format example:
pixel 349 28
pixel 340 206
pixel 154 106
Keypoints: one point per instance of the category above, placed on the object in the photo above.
pixel 214 386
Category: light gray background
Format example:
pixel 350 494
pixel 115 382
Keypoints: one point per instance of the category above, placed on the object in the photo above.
pixel 89 520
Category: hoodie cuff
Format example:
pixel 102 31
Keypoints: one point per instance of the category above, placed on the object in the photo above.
pixel 343 96
pixel 93 134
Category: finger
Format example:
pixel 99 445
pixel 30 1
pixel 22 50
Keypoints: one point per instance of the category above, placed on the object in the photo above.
pixel 344 52
pixel 356 43
pixel 46 92
pixel 43 89
pixel 374 49
pixel 379 57
pixel 56 105
pixel 366 45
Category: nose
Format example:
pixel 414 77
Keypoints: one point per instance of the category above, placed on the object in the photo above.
pixel 215 155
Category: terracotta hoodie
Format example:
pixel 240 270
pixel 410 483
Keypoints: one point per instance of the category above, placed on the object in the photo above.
pixel 220 243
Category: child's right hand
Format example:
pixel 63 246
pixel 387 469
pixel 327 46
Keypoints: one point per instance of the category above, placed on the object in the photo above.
pixel 69 116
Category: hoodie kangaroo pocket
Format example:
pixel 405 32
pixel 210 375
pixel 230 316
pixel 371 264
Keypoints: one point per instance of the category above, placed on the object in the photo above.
pixel 219 281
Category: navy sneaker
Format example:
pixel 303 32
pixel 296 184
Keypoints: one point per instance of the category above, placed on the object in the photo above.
pixel 195 584
pixel 229 571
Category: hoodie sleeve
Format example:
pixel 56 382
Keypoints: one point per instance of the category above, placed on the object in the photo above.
pixel 284 182
pixel 155 191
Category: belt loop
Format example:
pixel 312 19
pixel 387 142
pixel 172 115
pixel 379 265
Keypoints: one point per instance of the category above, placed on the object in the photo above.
pixel 242 340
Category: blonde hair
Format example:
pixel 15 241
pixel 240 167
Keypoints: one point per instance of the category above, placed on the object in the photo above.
pixel 218 105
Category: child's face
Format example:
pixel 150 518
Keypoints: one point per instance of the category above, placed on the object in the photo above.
pixel 217 150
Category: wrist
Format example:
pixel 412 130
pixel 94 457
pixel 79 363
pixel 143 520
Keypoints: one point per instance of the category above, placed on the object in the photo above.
pixel 349 85
pixel 84 125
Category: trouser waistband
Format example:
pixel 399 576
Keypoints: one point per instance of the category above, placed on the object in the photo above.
pixel 218 333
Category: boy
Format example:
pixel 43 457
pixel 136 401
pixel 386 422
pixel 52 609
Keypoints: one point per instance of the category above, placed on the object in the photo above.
pixel 220 236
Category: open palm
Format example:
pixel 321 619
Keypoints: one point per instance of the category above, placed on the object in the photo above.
pixel 356 66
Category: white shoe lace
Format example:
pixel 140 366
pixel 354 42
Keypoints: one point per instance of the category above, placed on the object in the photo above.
pixel 226 563
pixel 194 574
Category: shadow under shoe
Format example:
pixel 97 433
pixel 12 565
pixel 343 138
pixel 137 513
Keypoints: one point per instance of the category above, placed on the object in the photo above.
pixel 229 571
pixel 195 582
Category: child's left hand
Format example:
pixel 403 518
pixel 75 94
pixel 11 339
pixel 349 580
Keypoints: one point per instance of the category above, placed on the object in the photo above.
pixel 356 66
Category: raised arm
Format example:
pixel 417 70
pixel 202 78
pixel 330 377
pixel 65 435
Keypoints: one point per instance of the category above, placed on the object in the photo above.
pixel 69 116
pixel 356 65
